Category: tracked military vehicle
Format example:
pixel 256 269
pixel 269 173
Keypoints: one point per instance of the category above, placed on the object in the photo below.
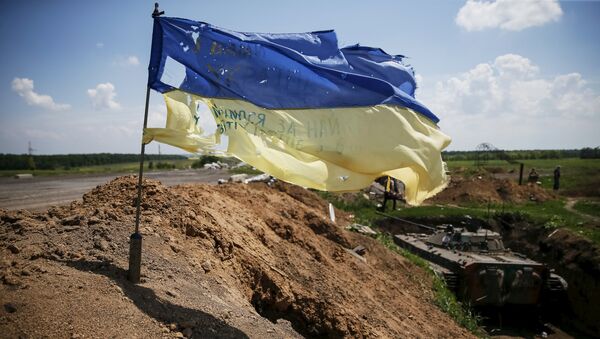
pixel 477 267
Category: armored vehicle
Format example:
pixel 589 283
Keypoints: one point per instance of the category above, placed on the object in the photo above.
pixel 477 267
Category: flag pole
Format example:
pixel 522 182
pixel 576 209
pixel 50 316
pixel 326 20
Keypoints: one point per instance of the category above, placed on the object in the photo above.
pixel 135 240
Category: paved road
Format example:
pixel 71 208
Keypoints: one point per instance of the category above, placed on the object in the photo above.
pixel 39 193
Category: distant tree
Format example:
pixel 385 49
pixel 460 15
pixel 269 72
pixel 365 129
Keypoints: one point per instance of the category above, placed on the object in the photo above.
pixel 165 165
pixel 22 161
pixel 589 153
pixel 31 163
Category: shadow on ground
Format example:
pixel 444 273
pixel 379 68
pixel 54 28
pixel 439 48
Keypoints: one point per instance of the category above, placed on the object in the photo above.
pixel 205 325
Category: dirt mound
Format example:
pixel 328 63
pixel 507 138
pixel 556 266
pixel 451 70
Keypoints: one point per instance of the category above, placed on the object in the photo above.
pixel 484 188
pixel 219 261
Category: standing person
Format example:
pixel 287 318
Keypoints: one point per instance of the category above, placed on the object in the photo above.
pixel 391 191
pixel 556 178
pixel 533 176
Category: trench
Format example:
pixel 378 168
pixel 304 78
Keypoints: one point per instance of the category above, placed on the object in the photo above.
pixel 271 299
pixel 571 256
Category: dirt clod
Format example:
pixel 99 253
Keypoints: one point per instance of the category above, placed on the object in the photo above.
pixel 13 249
pixel 207 266
pixel 187 332
pixel 10 308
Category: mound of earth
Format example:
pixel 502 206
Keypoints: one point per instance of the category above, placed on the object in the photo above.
pixel 218 261
pixel 485 188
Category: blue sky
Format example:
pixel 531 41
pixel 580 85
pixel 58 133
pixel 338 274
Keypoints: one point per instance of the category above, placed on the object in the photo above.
pixel 517 74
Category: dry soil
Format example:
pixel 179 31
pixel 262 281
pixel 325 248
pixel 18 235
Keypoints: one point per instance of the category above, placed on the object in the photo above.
pixel 229 261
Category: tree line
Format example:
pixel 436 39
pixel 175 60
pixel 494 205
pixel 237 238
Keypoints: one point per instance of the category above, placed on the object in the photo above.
pixel 584 153
pixel 67 161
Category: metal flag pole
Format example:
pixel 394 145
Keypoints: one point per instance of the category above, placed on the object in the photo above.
pixel 135 240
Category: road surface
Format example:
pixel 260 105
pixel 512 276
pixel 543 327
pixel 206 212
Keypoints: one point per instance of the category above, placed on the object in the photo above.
pixel 39 193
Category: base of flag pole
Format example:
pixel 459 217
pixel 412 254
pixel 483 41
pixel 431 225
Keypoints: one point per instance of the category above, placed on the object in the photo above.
pixel 135 258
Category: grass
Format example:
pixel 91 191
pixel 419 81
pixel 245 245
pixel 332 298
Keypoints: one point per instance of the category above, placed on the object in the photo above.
pixel 579 177
pixel 246 169
pixel 445 210
pixel 553 214
pixel 589 207
pixel 129 167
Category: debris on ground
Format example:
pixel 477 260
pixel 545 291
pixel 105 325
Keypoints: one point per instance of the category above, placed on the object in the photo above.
pixel 363 229
pixel 216 165
pixel 259 178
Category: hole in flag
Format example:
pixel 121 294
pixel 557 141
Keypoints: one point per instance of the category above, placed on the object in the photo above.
pixel 173 73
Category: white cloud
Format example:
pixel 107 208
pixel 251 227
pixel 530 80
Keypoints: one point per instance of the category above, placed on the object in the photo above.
pixel 99 44
pixel 24 87
pixel 511 15
pixel 418 79
pixel 508 96
pixel 511 85
pixel 103 96
pixel 157 115
pixel 131 60
pixel 515 65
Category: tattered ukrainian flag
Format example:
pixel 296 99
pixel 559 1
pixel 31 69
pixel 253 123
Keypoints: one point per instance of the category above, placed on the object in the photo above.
pixel 298 107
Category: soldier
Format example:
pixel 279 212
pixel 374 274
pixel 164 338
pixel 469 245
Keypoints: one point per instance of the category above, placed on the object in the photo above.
pixel 394 190
pixel 556 178
pixel 533 176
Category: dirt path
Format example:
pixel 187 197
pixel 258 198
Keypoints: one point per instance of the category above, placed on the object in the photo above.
pixel 39 193
pixel 570 207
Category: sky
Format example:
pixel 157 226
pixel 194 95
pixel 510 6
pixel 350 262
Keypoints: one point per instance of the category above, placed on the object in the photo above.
pixel 519 74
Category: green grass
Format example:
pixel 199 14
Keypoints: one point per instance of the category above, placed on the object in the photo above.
pixel 553 214
pixel 129 167
pixel 479 211
pixel 589 207
pixel 462 314
pixel 579 177
pixel 246 169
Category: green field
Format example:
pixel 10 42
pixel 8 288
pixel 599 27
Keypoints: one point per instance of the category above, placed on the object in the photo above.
pixel 129 167
pixel 589 207
pixel 579 177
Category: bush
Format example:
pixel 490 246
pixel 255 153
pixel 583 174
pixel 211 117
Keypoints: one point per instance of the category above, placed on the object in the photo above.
pixel 165 165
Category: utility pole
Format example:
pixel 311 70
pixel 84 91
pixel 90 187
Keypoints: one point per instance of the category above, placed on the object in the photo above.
pixel 30 160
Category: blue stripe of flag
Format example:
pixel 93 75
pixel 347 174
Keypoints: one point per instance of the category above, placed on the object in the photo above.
pixel 280 71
